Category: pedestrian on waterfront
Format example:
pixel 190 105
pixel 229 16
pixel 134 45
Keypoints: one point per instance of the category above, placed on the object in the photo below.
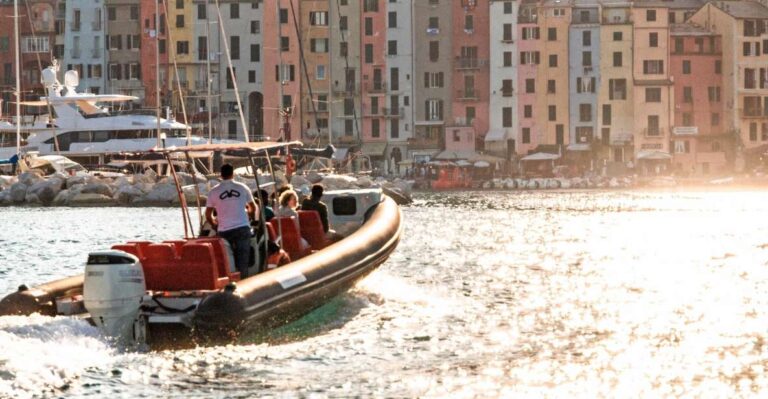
pixel 235 207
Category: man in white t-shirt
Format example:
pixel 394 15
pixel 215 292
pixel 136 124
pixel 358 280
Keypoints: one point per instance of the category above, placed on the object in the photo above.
pixel 234 205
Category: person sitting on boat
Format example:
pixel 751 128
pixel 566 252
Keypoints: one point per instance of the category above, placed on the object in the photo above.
pixel 289 202
pixel 313 203
pixel 235 207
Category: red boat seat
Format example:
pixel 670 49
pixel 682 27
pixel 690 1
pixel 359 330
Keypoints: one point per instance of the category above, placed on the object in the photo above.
pixel 159 263
pixel 199 269
pixel 221 257
pixel 290 238
pixel 177 244
pixel 312 229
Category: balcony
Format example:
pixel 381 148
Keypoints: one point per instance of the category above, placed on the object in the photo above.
pixel 507 92
pixel 616 19
pixel 393 112
pixel 753 113
pixel 347 89
pixel 462 122
pixel 74 26
pixel 423 143
pixel 470 63
pixel 659 132
pixel 74 53
pixel 376 87
pixel 527 16
pixel 467 95
pixel 96 25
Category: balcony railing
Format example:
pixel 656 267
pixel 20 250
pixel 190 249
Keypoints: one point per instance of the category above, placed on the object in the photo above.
pixel 507 92
pixel 347 89
pixel 470 63
pixel 422 143
pixel 393 112
pixel 527 18
pixel 616 20
pixel 653 132
pixel 467 95
pixel 376 87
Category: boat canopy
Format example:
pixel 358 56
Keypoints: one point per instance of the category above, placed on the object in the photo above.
pixel 233 149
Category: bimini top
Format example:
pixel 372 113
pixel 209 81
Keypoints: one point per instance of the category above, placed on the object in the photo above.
pixel 234 149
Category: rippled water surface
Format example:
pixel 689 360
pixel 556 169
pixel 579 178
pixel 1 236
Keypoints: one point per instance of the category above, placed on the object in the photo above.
pixel 578 294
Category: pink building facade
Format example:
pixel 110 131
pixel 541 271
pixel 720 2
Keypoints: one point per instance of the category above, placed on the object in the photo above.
pixel 373 42
pixel 151 37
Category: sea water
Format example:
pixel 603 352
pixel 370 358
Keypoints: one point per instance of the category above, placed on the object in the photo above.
pixel 489 294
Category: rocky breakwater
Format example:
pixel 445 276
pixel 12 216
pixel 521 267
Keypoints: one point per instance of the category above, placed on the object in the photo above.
pixel 148 189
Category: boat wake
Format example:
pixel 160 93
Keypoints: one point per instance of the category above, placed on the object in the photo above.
pixel 43 355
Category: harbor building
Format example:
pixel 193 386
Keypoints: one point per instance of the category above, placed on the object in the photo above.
pixel 584 79
pixel 552 100
pixel 399 106
pixel 345 99
pixel 503 121
pixel 84 45
pixel 373 41
pixel 180 23
pixel 204 68
pixel 526 63
pixel 123 25
pixel 315 27
pixel 153 53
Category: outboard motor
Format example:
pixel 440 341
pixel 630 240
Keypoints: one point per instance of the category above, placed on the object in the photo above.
pixel 112 291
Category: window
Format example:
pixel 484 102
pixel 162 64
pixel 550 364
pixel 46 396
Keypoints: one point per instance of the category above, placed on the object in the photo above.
pixel 234 44
pixel 343 49
pixel 530 85
pixel 343 22
pixel 434 23
pixel 617 59
pixel 618 36
pixel 714 119
pixel 234 10
pixel 506 88
pixel 526 135
pixel 617 89
pixel 232 128
pixel 553 60
pixel 686 67
pixel 551 86
pixel 586 58
pixel 434 51
pixel 650 15
pixel 718 67
pixel 182 47
pixel 392 19
pixel 687 95
pixel 529 58
pixel 368 26
pixel 371 6
pixel 392 47
pixel 255 53
pixel 375 128
pixel 753 131
pixel 111 14
pixel 559 134
pixel 585 112
pixel 230 82
pixel 507 33
pixel 586 38
pixel 508 7
pixel 507 58
pixel 653 67
pixel 528 111
pixel 134 13
pixel 179 21
pixel 713 93
pixel 552 113
pixel 320 72
pixel 285 43
pixel 606 114
pixel 558 12
pixel 318 18
pixel 202 12
pixel 434 110
pixel 469 23
pixel 369 53
pixel 320 46
pixel 283 15
pixel 35 44
pixel 585 85
pixel 653 39
pixel 652 95
pixel 552 34
pixel 530 33
pixel 679 45
pixel 653 125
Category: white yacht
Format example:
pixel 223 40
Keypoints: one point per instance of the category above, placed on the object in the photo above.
pixel 84 130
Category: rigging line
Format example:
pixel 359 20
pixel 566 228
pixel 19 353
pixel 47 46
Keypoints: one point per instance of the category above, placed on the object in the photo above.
pixel 48 106
pixel 304 66
pixel 223 38
pixel 176 72
pixel 346 68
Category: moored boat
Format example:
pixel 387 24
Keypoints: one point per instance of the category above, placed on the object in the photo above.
pixel 187 290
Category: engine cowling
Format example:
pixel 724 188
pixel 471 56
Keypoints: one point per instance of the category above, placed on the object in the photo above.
pixel 113 288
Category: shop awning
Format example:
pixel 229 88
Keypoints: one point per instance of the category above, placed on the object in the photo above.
pixel 650 155
pixel 541 156
pixel 578 147
pixel 496 135
pixel 340 154
pixel 374 149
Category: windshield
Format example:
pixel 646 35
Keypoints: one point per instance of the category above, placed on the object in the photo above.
pixel 71 167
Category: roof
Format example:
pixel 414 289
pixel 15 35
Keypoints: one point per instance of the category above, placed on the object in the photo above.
pixel 689 29
pixel 674 5
pixel 231 148
pixel 742 9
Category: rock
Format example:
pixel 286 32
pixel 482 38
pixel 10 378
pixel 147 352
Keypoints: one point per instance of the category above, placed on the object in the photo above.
pixel 97 187
pixel 7 181
pixel 364 182
pixel 32 199
pixel 338 182
pixel 62 198
pixel 314 177
pixel 149 176
pixel 5 197
pixel 160 194
pixel 127 194
pixel 75 180
pixel 29 178
pixel 45 191
pixel 18 192
pixel 90 199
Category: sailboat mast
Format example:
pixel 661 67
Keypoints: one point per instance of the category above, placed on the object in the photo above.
pixel 281 74
pixel 157 70
pixel 18 75
pixel 208 71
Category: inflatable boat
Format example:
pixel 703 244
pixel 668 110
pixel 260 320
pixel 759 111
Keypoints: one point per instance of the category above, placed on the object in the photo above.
pixel 183 291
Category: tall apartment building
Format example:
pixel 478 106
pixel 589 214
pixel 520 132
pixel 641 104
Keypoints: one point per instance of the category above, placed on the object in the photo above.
pixel 373 41
pixel 153 41
pixel 315 25
pixel 502 110
pixel 615 100
pixel 179 19
pixel 345 63
pixel 471 76
pixel 528 57
pixel 433 74
pixel 743 27
pixel 84 44
pixel 282 70
pixel 122 40
pixel 584 58
pixel 653 91
pixel 698 140
pixel 399 72
pixel 552 100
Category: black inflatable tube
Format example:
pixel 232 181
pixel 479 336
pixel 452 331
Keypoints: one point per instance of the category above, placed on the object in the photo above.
pixel 263 302
pixel 40 299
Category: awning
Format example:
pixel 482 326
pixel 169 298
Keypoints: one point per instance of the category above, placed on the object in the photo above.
pixel 650 155
pixel 485 158
pixel 496 135
pixel 541 156
pixel 340 154
pixel 578 147
pixel 463 163
pixel 374 149
pixel 452 155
